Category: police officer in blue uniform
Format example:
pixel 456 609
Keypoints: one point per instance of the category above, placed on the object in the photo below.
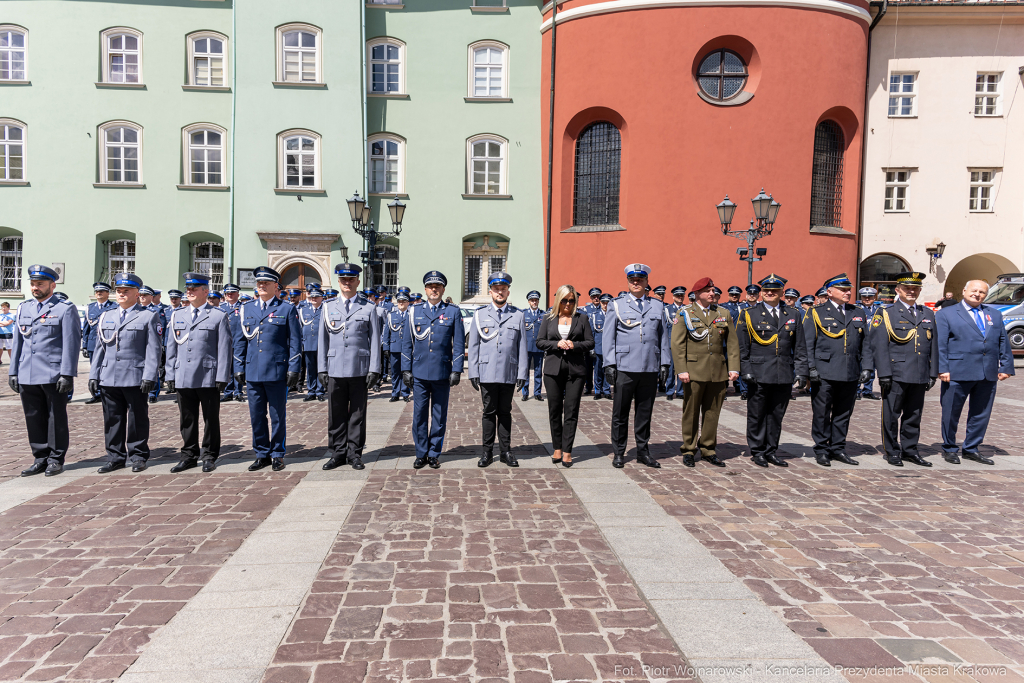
pixel 433 354
pixel 905 349
pixel 868 303
pixel 597 318
pixel 232 302
pixel 44 363
pixel 733 304
pixel 267 352
pixel 673 387
pixel 396 326
pixel 532 318
pixel 595 303
pixel 773 354
pixel 125 368
pixel 309 322
pixel 199 364
pixel 497 366
pixel 637 355
pixel 791 297
pixel 838 358
pixel 147 298
pixel 92 317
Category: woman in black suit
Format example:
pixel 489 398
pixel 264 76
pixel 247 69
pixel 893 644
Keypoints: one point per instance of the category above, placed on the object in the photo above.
pixel 565 338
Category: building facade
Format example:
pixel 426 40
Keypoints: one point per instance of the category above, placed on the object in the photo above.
pixel 944 161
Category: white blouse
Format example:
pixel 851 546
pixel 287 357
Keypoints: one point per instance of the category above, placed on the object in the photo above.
pixel 563 330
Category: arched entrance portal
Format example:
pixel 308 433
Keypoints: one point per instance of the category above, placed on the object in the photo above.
pixel 977 267
pixel 298 275
pixel 881 269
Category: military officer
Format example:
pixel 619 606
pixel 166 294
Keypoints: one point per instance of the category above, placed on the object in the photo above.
pixel 636 358
pixel 532 317
pixel 497 364
pixel 44 363
pixel 396 326
pixel 772 354
pixel 267 349
pixel 659 292
pixel 597 319
pixel 348 361
pixel 806 302
pixel 309 321
pixel 124 370
pixel 838 358
pixel 433 354
pixel 870 305
pixel 92 317
pixel 707 356
pixel 790 297
pixel 199 364
pixel 905 349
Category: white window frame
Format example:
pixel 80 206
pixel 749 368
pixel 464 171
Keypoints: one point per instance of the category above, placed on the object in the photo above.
pixel 105 37
pixel 5 151
pixel 186 149
pixel 400 141
pixel 206 264
pixel 11 261
pixel 282 139
pixel 192 56
pixel 505 61
pixel 394 42
pixel 133 259
pixel 897 189
pixel 980 201
pixel 502 168
pixel 900 95
pixel 318 50
pixel 102 141
pixel 14 28
pixel 987 94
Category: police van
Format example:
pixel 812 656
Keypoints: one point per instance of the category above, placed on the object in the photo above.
pixel 1007 294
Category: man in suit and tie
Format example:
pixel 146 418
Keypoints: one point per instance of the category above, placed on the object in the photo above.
pixel 125 369
pixel 974 353
pixel 199 364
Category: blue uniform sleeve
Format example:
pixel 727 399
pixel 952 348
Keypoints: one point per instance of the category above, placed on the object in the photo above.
pixel 458 343
pixel 241 345
pixel 154 343
pixel 407 343
pixel 611 325
pixel 72 334
pixel 322 340
pixel 224 342
pixel 86 329
pixel 294 341
pixel 524 356
pixel 473 350
pixel 376 322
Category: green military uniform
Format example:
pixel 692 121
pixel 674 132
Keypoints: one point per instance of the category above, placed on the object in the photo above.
pixel 704 344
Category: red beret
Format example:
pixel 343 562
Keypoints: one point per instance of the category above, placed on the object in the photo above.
pixel 702 283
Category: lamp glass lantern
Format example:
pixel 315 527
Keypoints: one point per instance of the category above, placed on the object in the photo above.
pixel 397 210
pixel 364 215
pixel 762 203
pixel 726 209
pixel 355 207
pixel 773 211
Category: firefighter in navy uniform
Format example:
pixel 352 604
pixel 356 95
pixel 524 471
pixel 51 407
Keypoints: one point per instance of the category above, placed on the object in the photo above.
pixel 868 302
pixel 905 349
pixel 838 359
pixel 92 316
pixel 772 354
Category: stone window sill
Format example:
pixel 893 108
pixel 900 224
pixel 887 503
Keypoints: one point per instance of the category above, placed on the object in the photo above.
pixel 122 86
pixel 830 230
pixel 487 99
pixel 123 186
pixel 206 88
pixel 487 196
pixel 594 228
pixel 389 95
pixel 12 82
pixel 205 188
pixel 297 190
pixel 287 84
pixel 14 183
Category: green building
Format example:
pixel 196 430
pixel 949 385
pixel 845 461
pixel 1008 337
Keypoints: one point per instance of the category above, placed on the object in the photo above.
pixel 170 135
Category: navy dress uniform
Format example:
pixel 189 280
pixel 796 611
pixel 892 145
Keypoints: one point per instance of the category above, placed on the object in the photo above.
pixel 44 363
pixel 233 390
pixel 162 320
pixel 309 322
pixel 865 389
pixel 348 360
pixel 905 349
pixel 773 354
pixel 588 380
pixel 199 364
pixel 838 358
pixel 597 319
pixel 92 318
pixel 396 326
pixel 673 386
pixel 637 354
pixel 532 317
pixel 125 368
pixel 497 362
pixel 433 356
pixel 267 351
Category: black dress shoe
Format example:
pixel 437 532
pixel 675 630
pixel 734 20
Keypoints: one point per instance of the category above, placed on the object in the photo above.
pixel 110 467
pixel 859 397
pixel 308 399
pixel 184 465
pixel 597 397
pixel 917 460
pixel 53 469
pixel 36 468
pixel 525 398
pixel 336 461
pixel 619 461
pixel 951 458
pixel 822 460
pixel 408 398
pixel 240 398
pixel 393 399
pixel 486 459
pixel 278 464
pixel 759 461
pixel 566 463
pixel 139 467
pixel 538 397
pixel 434 463
pixel 670 397
pixel 259 464
pixel 714 460
pixel 743 396
pixel 776 460
pixel 419 463
pixel 357 463
pixel 321 398
pixel 509 459
pixel 688 460
pixel 978 457
pixel 894 460
pixel 152 399
pixel 843 458
pixel 209 465
pixel 649 461
pixel 90 401
pixel 225 399
pixel 872 397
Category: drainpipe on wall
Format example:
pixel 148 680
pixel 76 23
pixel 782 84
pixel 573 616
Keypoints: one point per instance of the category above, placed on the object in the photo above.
pixel 231 191
pixel 551 152
pixel 883 7
pixel 366 125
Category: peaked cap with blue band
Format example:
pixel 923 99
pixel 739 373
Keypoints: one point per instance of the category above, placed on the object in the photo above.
pixel 499 278
pixel 128 280
pixel 41 272
pixel 637 270
pixel 215 295
pixel 347 270
pixel 196 279
pixel 840 280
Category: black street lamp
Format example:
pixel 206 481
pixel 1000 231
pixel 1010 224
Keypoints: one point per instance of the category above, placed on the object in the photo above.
pixel 359 212
pixel 766 209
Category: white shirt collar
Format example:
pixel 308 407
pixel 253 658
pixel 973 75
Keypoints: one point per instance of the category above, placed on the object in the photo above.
pixel 45 301
pixel 968 306
pixel 771 309
pixel 342 298
pixel 499 308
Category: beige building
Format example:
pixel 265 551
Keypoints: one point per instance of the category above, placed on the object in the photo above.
pixel 944 162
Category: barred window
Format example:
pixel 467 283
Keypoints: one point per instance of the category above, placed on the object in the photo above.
pixel 474 266
pixel 385 271
pixel 596 186
pixel 208 258
pixel 120 257
pixel 827 176
pixel 10 264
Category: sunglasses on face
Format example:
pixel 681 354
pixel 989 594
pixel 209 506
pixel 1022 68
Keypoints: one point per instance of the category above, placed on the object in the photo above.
pixel 568 301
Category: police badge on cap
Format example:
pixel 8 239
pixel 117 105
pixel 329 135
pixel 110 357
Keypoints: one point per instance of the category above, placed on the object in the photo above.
pixel 499 278
pixel 435 277
pixel 637 270
pixel 266 274
pixel 41 272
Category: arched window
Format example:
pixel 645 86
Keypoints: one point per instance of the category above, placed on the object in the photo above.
pixel 204 148
pixel 487 165
pixel 596 186
pixel 12 150
pixel 122 56
pixel 298 275
pixel 120 257
pixel 299 167
pixel 386 61
pixel 10 264
pixel 881 269
pixel 121 153
pixel 722 74
pixel 13 53
pixel 207 58
pixel 488 70
pixel 299 54
pixel 827 176
pixel 387 164
pixel 208 258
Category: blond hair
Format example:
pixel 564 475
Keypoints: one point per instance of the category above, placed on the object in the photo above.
pixel 560 294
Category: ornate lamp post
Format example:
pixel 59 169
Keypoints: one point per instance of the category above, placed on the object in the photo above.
pixel 766 209
pixel 359 211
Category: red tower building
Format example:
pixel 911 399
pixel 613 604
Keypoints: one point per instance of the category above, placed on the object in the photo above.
pixel 662 107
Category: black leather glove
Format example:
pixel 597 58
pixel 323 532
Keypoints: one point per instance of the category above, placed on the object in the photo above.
pixel 884 383
pixel 593 353
pixel 931 383
pixel 240 379
pixel 520 383
pixel 220 385
pixel 865 375
pixel 609 374
pixel 372 379
pixel 323 377
pixel 65 384
pixel 814 377
pixel 749 379
pixel 475 382
pixel 147 386
pixel 94 387
pixel 291 379
pixel 170 386
pixel 663 374
pixel 85 354
pixel 407 378
pixel 453 379
pixel 801 381
pixel 12 382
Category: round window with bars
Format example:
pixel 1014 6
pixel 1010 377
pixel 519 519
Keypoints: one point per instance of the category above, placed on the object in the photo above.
pixel 722 75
